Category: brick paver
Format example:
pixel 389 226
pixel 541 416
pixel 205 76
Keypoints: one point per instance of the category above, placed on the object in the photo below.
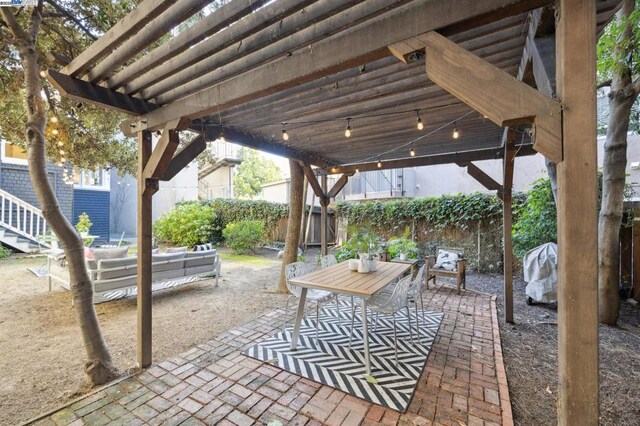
pixel 463 382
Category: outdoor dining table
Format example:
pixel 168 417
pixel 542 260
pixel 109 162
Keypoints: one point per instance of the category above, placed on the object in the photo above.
pixel 340 279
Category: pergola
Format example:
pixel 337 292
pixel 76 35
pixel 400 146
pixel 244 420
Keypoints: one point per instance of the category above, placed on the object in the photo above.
pixel 514 77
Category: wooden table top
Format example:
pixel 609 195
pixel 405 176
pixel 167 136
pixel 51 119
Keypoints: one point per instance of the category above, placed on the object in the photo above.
pixel 338 278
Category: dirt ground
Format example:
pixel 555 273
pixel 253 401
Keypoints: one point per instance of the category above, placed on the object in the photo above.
pixel 530 349
pixel 41 352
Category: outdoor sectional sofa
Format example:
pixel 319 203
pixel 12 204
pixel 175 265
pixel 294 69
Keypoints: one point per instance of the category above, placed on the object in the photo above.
pixel 117 277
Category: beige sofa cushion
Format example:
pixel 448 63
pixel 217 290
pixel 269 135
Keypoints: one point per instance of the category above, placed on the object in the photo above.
pixel 125 268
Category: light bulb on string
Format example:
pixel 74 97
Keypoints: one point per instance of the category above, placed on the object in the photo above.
pixel 285 135
pixel 43 73
pixel 54 119
pixel 357 171
pixel 419 124
pixel 63 160
pixel 379 163
pixel 59 164
pixel 221 137
pixel 347 132
pixel 456 134
pixel 55 131
pixel 61 152
pixel 411 151
pixel 60 143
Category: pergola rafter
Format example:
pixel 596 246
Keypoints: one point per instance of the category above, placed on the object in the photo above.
pixel 251 65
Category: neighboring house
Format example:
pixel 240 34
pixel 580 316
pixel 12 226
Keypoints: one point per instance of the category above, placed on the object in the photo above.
pixel 108 199
pixel 20 219
pixel 216 180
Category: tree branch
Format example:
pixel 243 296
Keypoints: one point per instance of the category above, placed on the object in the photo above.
pixel 636 86
pixel 606 83
pixel 12 23
pixel 73 18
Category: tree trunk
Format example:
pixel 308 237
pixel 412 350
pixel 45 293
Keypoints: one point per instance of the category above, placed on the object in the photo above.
pixel 621 100
pixel 553 178
pixel 99 366
pixel 293 224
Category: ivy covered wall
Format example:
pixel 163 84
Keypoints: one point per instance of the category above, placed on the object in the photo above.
pixel 470 221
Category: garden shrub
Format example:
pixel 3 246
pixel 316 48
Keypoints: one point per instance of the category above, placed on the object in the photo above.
pixel 188 224
pixel 361 241
pixel 4 252
pixel 536 219
pixel 244 236
pixel 395 246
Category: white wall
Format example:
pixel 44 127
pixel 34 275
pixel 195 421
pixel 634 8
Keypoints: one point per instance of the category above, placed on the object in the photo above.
pixel 183 187
pixel 218 184
pixel 442 179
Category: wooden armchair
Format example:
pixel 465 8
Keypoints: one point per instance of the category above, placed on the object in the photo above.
pixel 459 273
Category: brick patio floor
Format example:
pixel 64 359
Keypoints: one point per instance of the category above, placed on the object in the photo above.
pixel 463 382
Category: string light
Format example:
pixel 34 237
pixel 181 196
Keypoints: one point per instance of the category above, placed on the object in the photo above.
pixel 357 171
pixel 61 152
pixel 221 137
pixel 411 151
pixel 456 134
pixel 347 132
pixel 55 131
pixel 62 160
pixel 419 124
pixel 285 135
pixel 379 163
pixel 60 143
pixel 59 164
pixel 54 119
pixel 43 73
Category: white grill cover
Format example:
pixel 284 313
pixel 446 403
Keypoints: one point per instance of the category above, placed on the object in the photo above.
pixel 541 272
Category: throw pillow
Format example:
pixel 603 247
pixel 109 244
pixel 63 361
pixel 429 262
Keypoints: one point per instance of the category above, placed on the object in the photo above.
pixel 447 260
pixel 177 249
pixel 203 247
pixel 109 253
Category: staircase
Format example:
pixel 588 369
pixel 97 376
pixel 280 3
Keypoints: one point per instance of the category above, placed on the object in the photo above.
pixel 21 224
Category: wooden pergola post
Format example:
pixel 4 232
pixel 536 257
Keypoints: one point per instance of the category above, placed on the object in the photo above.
pixel 577 216
pixel 145 197
pixel 507 219
pixel 324 216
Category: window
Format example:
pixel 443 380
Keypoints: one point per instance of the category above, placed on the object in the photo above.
pixel 91 179
pixel 13 154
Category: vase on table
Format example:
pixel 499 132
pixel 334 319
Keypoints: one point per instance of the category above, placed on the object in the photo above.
pixel 363 263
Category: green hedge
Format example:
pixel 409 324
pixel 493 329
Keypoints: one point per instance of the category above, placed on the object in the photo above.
pixel 199 222
pixel 447 211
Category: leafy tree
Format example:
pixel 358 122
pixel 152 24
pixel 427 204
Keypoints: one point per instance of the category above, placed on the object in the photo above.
pixel 536 222
pixel 78 133
pixel 618 68
pixel 254 171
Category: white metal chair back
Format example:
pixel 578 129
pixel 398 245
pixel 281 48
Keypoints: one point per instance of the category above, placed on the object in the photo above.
pixel 293 270
pixel 328 260
pixel 398 298
pixel 418 281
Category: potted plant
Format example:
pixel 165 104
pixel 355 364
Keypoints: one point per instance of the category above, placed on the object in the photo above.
pixel 83 225
pixel 402 248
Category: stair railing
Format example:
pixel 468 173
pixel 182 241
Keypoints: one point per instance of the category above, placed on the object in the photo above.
pixel 22 218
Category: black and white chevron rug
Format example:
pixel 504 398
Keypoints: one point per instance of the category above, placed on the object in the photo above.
pixel 331 362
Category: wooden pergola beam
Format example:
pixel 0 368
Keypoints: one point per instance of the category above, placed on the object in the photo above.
pixel 223 16
pixel 185 156
pixel 120 32
pixel 220 48
pixel 366 43
pixel 249 140
pixel 340 183
pixel 479 175
pixel 429 160
pixel 313 181
pixel 83 91
pixel 166 146
pixel 495 94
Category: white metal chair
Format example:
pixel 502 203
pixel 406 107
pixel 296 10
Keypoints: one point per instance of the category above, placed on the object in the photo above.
pixel 297 269
pixel 328 260
pixel 415 292
pixel 386 304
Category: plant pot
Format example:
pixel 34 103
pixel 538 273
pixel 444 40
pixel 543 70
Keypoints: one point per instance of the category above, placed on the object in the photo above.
pixel 363 264
pixel 353 264
pixel 403 256
pixel 373 265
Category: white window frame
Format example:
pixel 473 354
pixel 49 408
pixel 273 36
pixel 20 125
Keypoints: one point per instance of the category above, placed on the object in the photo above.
pixel 106 182
pixel 11 160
